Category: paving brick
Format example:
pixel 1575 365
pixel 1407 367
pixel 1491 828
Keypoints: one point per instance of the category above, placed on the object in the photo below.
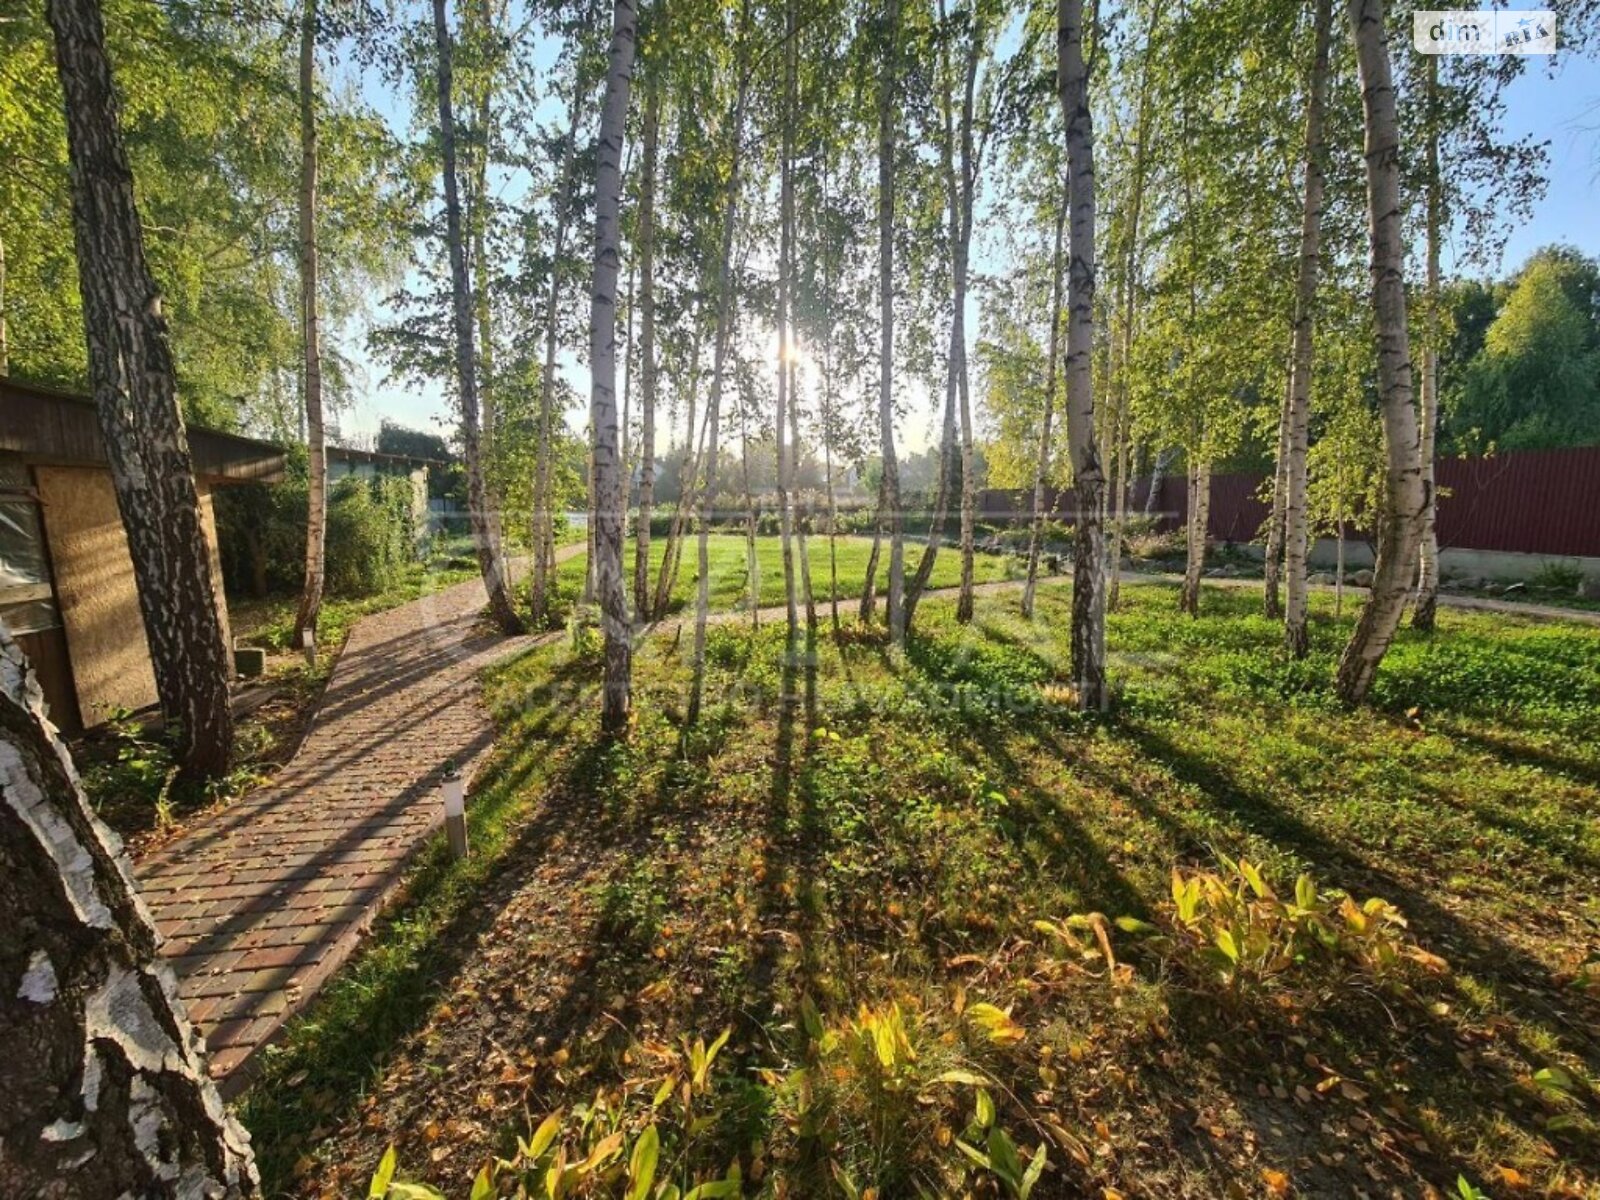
pixel 260 901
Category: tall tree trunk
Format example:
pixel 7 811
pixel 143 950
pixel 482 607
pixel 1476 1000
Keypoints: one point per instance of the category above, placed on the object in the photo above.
pixel 785 349
pixel 1158 469
pixel 1041 474
pixel 647 350
pixel 316 448
pixel 947 441
pixel 1423 616
pixel 869 585
pixel 895 602
pixel 958 327
pixel 1405 494
pixel 608 483
pixel 478 223
pixel 1272 553
pixel 1338 561
pixel 941 501
pixel 1088 580
pixel 1199 521
pixel 1295 631
pixel 752 563
pixel 1119 513
pixel 130 363
pixel 688 474
pixel 483 520
pixel 544 554
pixel 719 357
pixel 802 511
pixel 104 1083
pixel 827 417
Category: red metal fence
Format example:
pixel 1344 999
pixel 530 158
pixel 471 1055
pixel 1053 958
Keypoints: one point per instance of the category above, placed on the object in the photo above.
pixel 1528 501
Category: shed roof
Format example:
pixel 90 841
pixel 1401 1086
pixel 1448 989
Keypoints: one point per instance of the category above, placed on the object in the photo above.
pixel 349 454
pixel 62 428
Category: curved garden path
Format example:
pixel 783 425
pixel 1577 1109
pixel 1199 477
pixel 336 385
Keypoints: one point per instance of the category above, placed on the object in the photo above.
pixel 263 900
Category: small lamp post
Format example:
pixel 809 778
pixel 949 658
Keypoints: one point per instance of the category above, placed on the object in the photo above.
pixel 454 793
pixel 308 642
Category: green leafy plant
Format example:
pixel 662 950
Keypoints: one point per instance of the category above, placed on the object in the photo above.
pixel 644 1139
pixel 877 1098
pixel 1232 925
pixel 1557 577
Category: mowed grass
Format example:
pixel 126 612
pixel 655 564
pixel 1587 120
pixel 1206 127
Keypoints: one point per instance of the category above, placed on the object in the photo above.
pixel 730 570
pixel 885 844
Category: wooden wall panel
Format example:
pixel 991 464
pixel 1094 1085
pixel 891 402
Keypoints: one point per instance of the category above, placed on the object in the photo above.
pixel 95 588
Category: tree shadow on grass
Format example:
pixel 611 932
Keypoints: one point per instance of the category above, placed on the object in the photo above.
pixel 1466 944
pixel 1576 768
pixel 334 1051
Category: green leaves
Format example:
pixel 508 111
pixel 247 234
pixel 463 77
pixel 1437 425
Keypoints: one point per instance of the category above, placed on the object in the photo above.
pixel 379 1187
pixel 995 1022
pixel 642 1164
pixel 384 1185
pixel 1005 1163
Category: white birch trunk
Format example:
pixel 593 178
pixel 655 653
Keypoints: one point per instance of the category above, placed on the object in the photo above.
pixel 316 446
pixel 1424 615
pixel 1405 495
pixel 609 495
pixel 1296 633
pixel 103 1085
pixel 887 82
pixel 1088 586
pixel 485 522
pixel 719 358
pixel 647 352
pixel 136 402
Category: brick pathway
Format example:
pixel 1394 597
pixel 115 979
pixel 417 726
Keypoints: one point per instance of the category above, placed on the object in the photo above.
pixel 263 901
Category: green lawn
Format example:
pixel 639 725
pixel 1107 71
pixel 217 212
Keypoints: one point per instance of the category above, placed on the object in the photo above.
pixel 730 580
pixel 847 882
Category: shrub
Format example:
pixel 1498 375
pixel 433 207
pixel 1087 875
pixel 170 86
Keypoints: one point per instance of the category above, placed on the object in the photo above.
pixel 261 535
pixel 1557 577
pixel 261 531
pixel 370 535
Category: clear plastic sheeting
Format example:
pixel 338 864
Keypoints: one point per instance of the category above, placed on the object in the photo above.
pixel 27 601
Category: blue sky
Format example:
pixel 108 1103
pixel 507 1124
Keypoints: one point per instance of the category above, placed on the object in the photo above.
pixel 1563 109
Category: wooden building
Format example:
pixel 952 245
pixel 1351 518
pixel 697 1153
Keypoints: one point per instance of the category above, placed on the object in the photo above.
pixel 66 577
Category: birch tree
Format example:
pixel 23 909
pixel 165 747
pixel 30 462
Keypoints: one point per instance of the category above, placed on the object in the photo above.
pixel 786 349
pixel 1041 474
pixel 104 1080
pixel 544 552
pixel 647 346
pixel 311 337
pixel 607 478
pixel 482 518
pixel 135 390
pixel 1295 536
pixel 891 516
pixel 719 364
pixel 1088 579
pixel 1400 521
pixel 1423 615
